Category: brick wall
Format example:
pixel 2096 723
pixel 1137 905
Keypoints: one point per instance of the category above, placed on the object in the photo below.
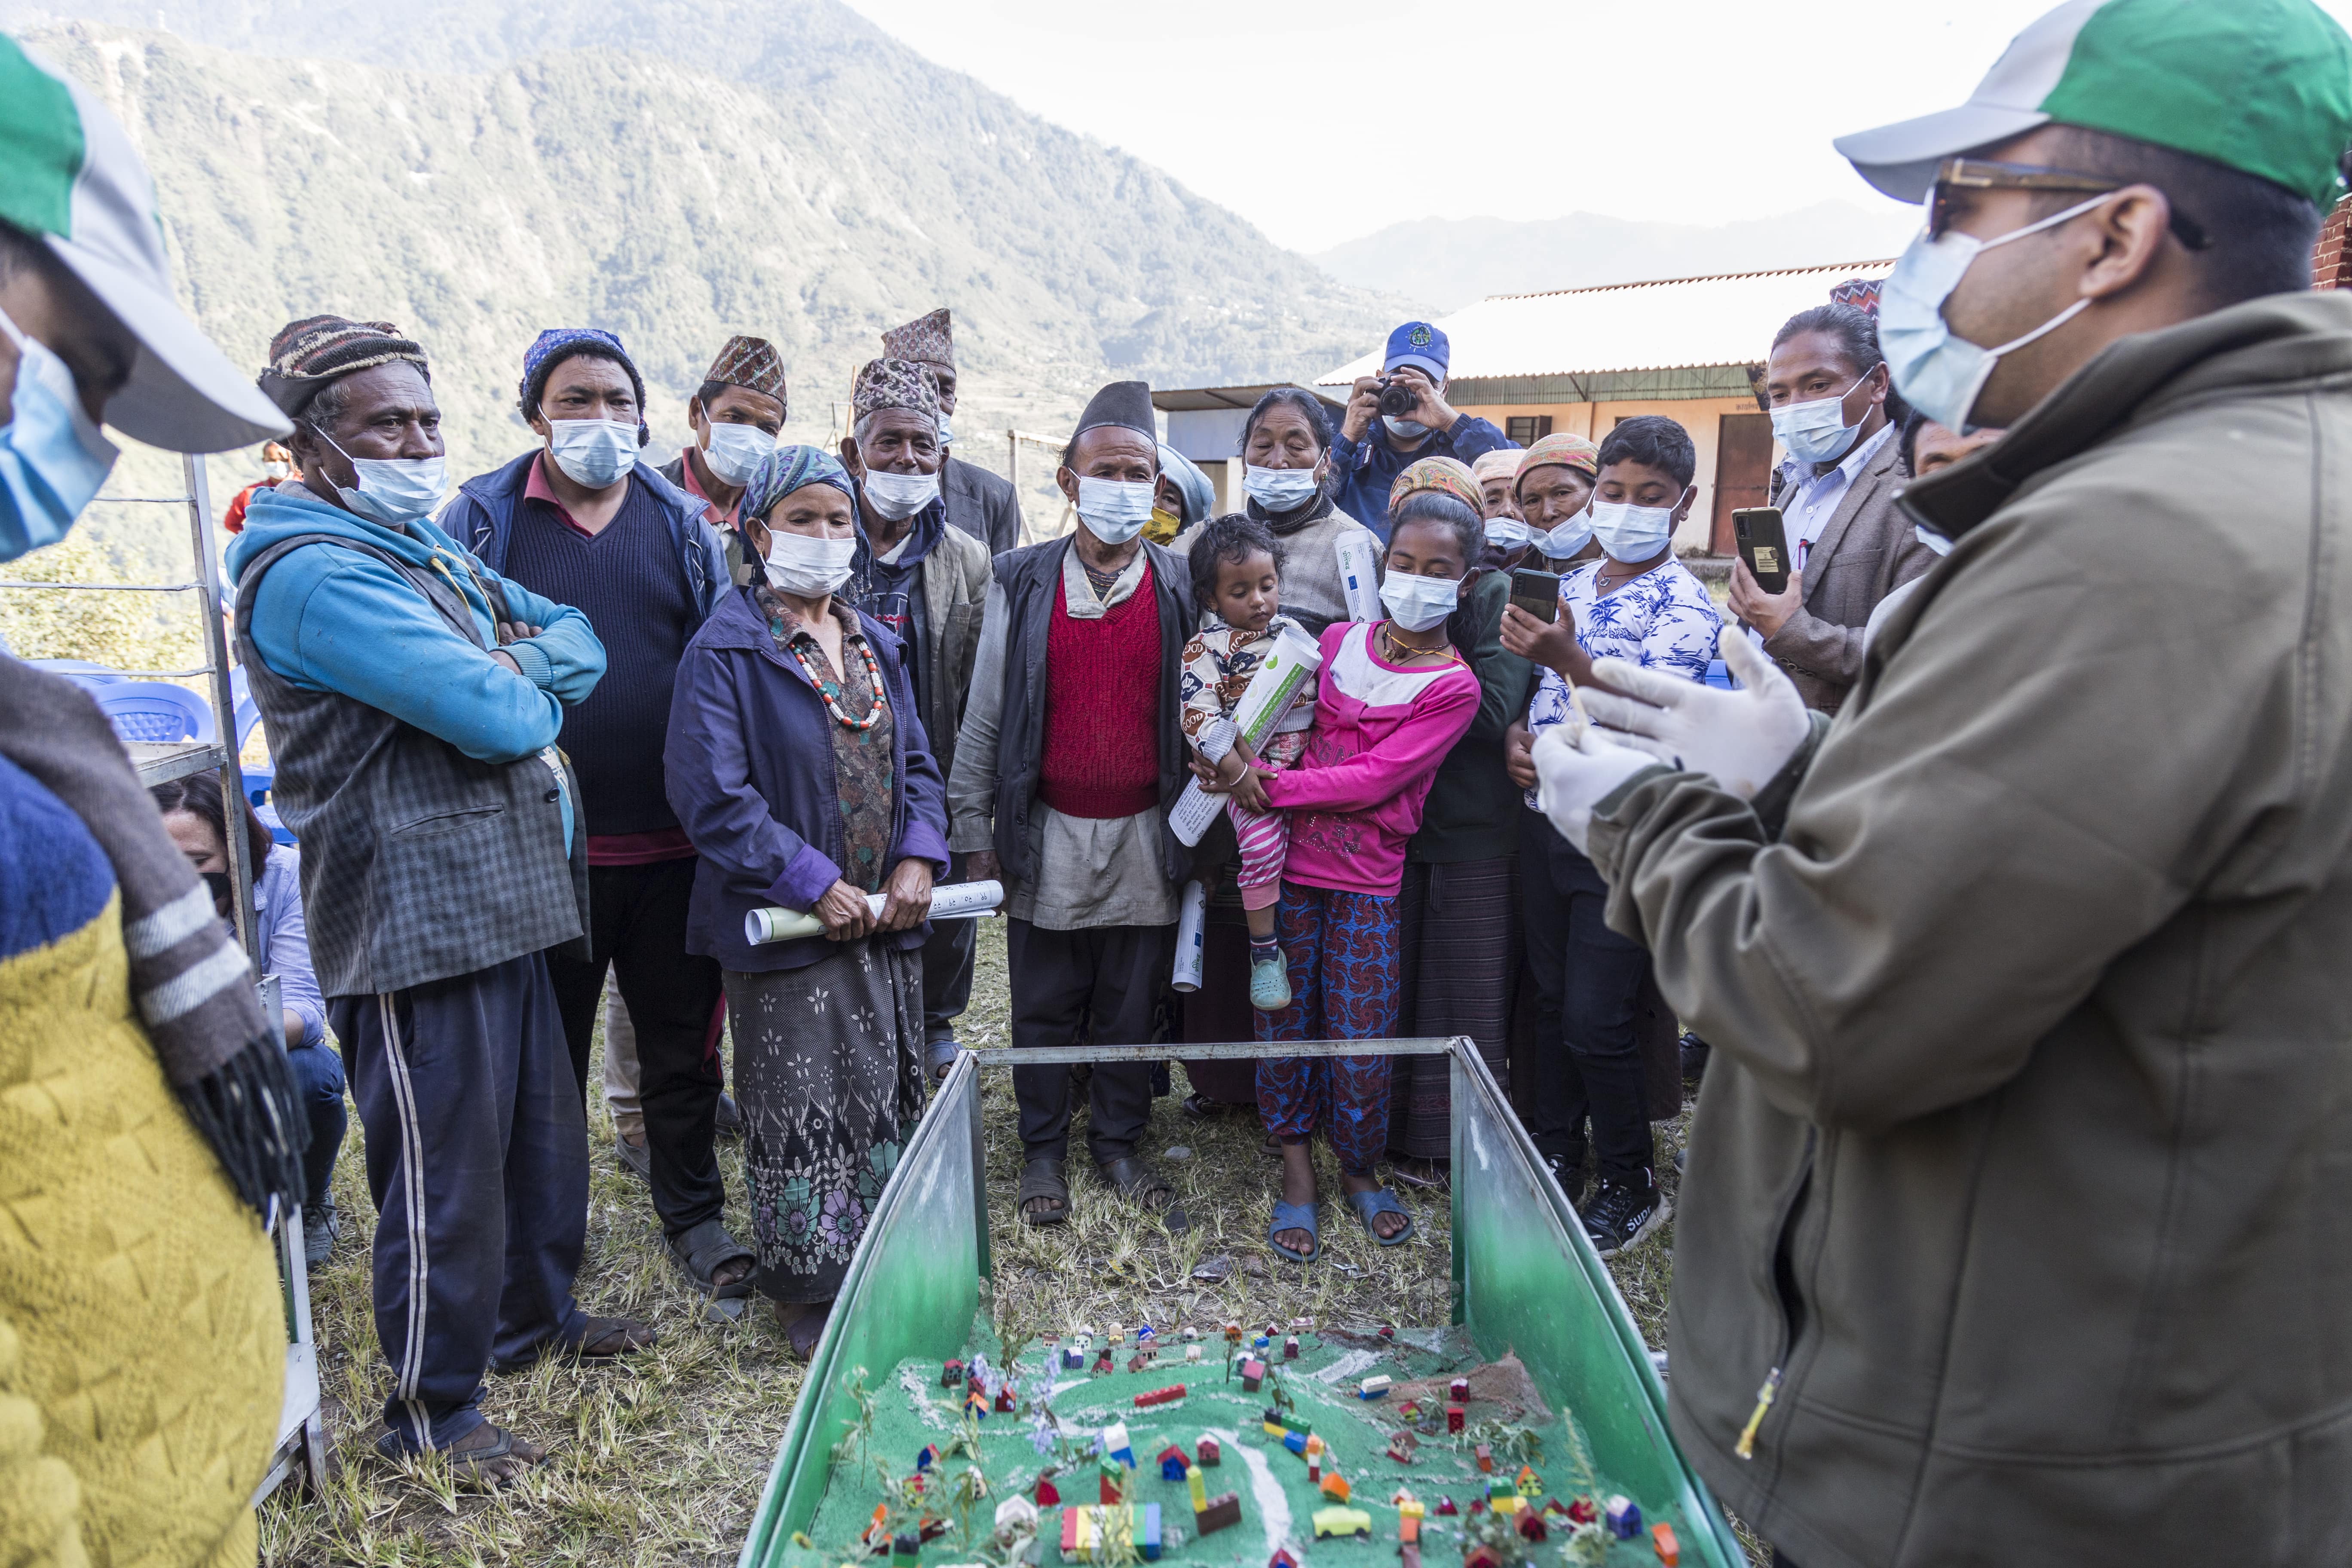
pixel 2331 259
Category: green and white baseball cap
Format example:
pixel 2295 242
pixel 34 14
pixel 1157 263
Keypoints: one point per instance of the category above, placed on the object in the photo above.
pixel 69 177
pixel 2263 87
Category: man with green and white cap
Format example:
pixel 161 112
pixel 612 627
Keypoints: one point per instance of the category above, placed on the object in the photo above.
pixel 2015 1223
pixel 147 1120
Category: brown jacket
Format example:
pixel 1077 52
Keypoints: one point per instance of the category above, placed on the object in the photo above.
pixel 2026 1147
pixel 1867 550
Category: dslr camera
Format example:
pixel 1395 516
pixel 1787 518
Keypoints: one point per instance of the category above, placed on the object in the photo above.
pixel 1399 397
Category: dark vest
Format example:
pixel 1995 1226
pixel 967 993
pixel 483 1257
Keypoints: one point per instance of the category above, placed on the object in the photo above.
pixel 418 862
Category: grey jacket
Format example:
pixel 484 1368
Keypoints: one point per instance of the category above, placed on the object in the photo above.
pixel 1867 549
pixel 982 505
pixel 955 591
pixel 2023 1152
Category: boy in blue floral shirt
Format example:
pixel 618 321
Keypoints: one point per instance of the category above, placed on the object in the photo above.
pixel 1637 603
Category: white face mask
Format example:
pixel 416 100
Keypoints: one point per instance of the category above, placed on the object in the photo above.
pixel 394 492
pixel 1278 489
pixel 807 567
pixel 1816 432
pixel 1405 429
pixel 277 470
pixel 734 452
pixel 946 434
pixel 1417 603
pixel 899 496
pixel 1115 510
pixel 1628 533
pixel 1566 539
pixel 594 452
pixel 1508 532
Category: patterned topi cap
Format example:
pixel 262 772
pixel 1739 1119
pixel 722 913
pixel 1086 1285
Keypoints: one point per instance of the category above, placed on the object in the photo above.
pixel 752 364
pixel 926 340
pixel 894 384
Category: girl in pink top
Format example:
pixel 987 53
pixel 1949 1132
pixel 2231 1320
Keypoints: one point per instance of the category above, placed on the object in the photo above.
pixel 1393 697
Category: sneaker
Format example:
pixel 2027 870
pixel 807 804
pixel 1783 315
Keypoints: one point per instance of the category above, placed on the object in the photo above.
pixel 1569 1178
pixel 1624 1213
pixel 633 1156
pixel 321 1227
pixel 727 1122
pixel 1694 1052
pixel 1269 984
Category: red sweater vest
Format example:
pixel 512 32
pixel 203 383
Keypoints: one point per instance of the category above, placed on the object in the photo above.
pixel 1100 757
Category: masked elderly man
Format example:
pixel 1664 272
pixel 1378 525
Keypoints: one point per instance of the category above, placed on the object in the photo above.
pixel 1375 446
pixel 1070 755
pixel 736 417
pixel 413 698
pixel 147 1119
pixel 977 501
pixel 2013 1224
pixel 927 581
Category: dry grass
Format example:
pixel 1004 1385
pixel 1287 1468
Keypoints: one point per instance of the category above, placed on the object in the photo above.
pixel 659 1461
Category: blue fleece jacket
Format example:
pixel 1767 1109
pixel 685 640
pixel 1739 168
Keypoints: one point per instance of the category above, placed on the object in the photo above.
pixel 329 619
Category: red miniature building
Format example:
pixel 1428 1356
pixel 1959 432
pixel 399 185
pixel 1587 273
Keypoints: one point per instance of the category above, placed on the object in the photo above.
pixel 1531 1525
pixel 1459 1391
pixel 1048 1494
pixel 1446 1508
pixel 1207 1452
pixel 1282 1559
pixel 1003 1398
pixel 1670 1550
pixel 1482 1556
pixel 1581 1512
pixel 1252 1373
pixel 1455 1416
pixel 952 1374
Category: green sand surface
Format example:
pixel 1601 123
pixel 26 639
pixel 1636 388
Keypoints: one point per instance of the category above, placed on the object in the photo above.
pixel 1278 1504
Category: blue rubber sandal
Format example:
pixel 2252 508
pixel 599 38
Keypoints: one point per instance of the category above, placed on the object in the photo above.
pixel 1380 1200
pixel 1294 1216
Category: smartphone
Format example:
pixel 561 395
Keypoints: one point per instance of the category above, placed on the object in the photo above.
pixel 1537 593
pixel 1763 544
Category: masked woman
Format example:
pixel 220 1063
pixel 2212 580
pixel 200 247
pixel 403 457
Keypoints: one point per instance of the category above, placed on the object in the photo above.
pixel 800 770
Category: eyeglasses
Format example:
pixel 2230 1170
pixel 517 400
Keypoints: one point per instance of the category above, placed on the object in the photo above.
pixel 1973 174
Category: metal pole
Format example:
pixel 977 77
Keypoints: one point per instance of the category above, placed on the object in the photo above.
pixel 1012 440
pixel 234 842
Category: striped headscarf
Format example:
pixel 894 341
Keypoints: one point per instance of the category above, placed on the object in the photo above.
pixel 789 469
pixel 1444 474
pixel 1565 451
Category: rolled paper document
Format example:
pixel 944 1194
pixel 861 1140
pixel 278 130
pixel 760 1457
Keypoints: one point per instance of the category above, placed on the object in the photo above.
pixel 1358 581
pixel 1191 913
pixel 952 901
pixel 1277 687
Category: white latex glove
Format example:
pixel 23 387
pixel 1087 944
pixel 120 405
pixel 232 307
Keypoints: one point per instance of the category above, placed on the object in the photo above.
pixel 1742 738
pixel 1576 767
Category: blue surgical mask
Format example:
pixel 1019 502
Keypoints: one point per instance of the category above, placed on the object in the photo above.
pixel 594 452
pixel 1938 373
pixel 1418 603
pixel 53 457
pixel 1115 510
pixel 1630 532
pixel 1816 432
pixel 394 492
pixel 1566 539
pixel 1278 489
pixel 946 434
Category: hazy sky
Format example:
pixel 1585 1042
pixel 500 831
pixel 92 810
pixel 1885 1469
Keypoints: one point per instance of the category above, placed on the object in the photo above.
pixel 1320 123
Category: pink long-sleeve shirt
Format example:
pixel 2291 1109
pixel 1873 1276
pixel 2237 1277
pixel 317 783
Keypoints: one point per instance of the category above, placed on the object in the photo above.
pixel 1380 732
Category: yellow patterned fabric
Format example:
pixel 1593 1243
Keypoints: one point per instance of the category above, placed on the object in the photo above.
pixel 143 1335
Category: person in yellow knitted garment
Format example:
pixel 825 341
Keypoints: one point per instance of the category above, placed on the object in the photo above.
pixel 147 1120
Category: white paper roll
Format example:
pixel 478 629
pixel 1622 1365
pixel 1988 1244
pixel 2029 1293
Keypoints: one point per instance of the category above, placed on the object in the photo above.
pixel 1358 581
pixel 954 901
pixel 1192 911
pixel 1280 683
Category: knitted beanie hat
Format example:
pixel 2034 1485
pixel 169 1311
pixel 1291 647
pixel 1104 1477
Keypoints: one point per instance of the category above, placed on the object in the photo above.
pixel 307 354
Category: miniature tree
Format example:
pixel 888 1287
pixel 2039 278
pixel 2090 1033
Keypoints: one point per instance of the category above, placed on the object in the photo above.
pixel 861 1427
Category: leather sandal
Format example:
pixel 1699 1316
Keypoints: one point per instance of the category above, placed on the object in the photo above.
pixel 1044 1178
pixel 471 1467
pixel 703 1250
pixel 1133 1178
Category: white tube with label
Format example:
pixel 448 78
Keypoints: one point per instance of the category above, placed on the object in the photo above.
pixel 1359 581
pixel 954 901
pixel 1191 914
pixel 1277 687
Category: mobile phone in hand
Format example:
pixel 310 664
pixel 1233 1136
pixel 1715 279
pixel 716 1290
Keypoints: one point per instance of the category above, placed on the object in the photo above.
pixel 1537 593
pixel 1763 544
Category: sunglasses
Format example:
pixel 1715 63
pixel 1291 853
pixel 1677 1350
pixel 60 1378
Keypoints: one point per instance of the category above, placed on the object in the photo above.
pixel 1957 174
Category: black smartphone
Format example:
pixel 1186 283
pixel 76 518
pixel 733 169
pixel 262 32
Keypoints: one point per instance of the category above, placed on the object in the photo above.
pixel 1537 593
pixel 1763 544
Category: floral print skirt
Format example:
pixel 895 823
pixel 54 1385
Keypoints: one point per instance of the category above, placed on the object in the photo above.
pixel 827 1070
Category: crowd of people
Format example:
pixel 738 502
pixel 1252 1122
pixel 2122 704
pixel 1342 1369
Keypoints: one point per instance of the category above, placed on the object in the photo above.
pixel 1996 862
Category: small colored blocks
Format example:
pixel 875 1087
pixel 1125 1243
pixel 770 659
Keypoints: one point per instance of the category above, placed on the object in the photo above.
pixel 906 1550
pixel 1402 1445
pixel 1485 1453
pixel 926 1458
pixel 1407 1530
pixel 1263 1342
pixel 1167 1395
pixel 1196 1487
pixel 1222 1510
pixel 1336 1488
pixel 1296 1442
pixel 1373 1387
pixel 1116 1444
pixel 1110 1481
pixel 1290 1348
pixel 1085 1532
pixel 1113 1334
pixel 1458 1391
pixel 975 1403
pixel 1670 1550
pixel 1144 1336
pixel 1074 1358
pixel 1388 1331
pixel 1172 1463
pixel 1252 1373
pixel 1102 1363
pixel 1510 1502
pixel 1624 1516
pixel 1454 1416
pixel 1207 1452
pixel 1409 1554
pixel 952 1374
pixel 1336 1522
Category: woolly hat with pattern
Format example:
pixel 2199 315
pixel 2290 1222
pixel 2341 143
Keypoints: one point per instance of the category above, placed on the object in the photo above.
pixel 895 384
pixel 1562 450
pixel 307 354
pixel 1443 474
pixel 555 345
pixel 927 340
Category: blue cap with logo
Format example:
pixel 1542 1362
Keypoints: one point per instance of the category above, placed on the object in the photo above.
pixel 1420 345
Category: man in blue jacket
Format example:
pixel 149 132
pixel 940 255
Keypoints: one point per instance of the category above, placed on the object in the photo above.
pixel 1373 447
pixel 413 700
pixel 584 520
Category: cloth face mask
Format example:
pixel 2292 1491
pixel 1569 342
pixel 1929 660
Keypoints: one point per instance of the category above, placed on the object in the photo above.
pixel 393 492
pixel 1938 373
pixel 1278 489
pixel 53 457
pixel 1815 432
pixel 1115 510
pixel 1628 533
pixel 1417 603
pixel 595 452
pixel 735 452
pixel 899 496
pixel 807 567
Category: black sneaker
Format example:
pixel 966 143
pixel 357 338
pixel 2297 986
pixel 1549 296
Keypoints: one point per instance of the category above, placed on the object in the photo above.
pixel 727 1121
pixel 1568 1177
pixel 1624 1213
pixel 1694 1052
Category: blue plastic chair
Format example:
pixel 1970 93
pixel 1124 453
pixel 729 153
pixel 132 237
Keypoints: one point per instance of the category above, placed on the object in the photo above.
pixel 248 711
pixel 156 711
pixel 1719 675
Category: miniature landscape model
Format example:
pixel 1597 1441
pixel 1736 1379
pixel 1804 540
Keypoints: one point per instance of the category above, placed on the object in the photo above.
pixel 1269 1444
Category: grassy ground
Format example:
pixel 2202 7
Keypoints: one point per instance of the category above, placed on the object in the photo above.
pixel 659 1460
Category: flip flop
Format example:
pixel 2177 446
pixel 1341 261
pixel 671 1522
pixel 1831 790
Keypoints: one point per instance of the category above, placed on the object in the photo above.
pixel 1044 1178
pixel 1294 1216
pixel 700 1253
pixel 938 1056
pixel 1380 1200
pixel 1134 1179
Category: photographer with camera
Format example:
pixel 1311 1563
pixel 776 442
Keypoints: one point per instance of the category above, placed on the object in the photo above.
pixel 1399 417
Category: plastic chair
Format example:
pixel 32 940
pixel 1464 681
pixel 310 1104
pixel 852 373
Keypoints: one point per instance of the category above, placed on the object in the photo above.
pixel 278 828
pixel 248 711
pixel 1719 675
pixel 156 711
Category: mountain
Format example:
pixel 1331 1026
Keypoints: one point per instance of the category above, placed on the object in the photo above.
pixel 476 171
pixel 1447 263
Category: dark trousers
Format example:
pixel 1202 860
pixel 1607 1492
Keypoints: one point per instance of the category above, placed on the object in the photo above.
pixel 318 1074
pixel 637 918
pixel 479 1163
pixel 946 968
pixel 1589 979
pixel 1070 987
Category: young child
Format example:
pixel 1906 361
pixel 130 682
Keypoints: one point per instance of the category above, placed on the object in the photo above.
pixel 1392 700
pixel 1237 575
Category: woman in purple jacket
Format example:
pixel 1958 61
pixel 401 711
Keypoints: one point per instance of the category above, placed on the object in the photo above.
pixel 797 765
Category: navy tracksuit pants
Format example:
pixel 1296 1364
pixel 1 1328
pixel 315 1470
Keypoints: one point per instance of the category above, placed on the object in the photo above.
pixel 477 1158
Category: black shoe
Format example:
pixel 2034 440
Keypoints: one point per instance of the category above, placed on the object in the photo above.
pixel 727 1122
pixel 1625 1212
pixel 1694 1052
pixel 1201 1108
pixel 1568 1177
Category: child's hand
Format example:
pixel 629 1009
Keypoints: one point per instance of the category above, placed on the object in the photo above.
pixel 1249 791
pixel 1519 754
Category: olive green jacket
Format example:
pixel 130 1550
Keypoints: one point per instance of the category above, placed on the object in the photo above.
pixel 2026 1154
